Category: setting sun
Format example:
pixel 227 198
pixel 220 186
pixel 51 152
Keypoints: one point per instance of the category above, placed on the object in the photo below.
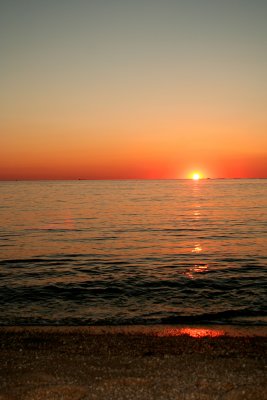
pixel 196 176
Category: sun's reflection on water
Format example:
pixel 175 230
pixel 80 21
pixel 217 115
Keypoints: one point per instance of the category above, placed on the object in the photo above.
pixel 197 248
pixel 200 268
pixel 196 269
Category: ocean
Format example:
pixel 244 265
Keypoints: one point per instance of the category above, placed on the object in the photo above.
pixel 133 252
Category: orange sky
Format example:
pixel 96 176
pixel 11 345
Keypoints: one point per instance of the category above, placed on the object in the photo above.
pixel 116 90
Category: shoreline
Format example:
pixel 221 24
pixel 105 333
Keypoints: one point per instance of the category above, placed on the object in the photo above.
pixel 164 330
pixel 132 362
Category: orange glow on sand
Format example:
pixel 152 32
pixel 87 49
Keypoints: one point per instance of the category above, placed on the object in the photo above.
pixel 193 332
pixel 201 332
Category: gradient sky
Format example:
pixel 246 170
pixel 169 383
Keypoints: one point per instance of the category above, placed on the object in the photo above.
pixel 133 89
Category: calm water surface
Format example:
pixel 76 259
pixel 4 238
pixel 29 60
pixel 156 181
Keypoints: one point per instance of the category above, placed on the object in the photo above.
pixel 133 252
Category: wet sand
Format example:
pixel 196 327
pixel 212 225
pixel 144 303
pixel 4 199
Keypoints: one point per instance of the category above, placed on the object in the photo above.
pixel 131 363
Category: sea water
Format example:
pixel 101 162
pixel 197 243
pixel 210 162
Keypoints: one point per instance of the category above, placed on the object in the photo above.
pixel 133 252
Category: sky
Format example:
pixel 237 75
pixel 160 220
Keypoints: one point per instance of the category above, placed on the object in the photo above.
pixel 121 89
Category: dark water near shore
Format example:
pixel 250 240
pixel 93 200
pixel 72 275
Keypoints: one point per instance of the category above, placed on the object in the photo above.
pixel 133 252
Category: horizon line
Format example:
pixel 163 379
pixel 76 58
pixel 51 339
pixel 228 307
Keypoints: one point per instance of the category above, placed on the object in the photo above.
pixel 123 179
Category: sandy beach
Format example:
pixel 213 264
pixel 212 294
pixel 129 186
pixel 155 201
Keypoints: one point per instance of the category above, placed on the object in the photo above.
pixel 131 363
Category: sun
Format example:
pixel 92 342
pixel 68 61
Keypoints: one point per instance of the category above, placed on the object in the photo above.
pixel 196 176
